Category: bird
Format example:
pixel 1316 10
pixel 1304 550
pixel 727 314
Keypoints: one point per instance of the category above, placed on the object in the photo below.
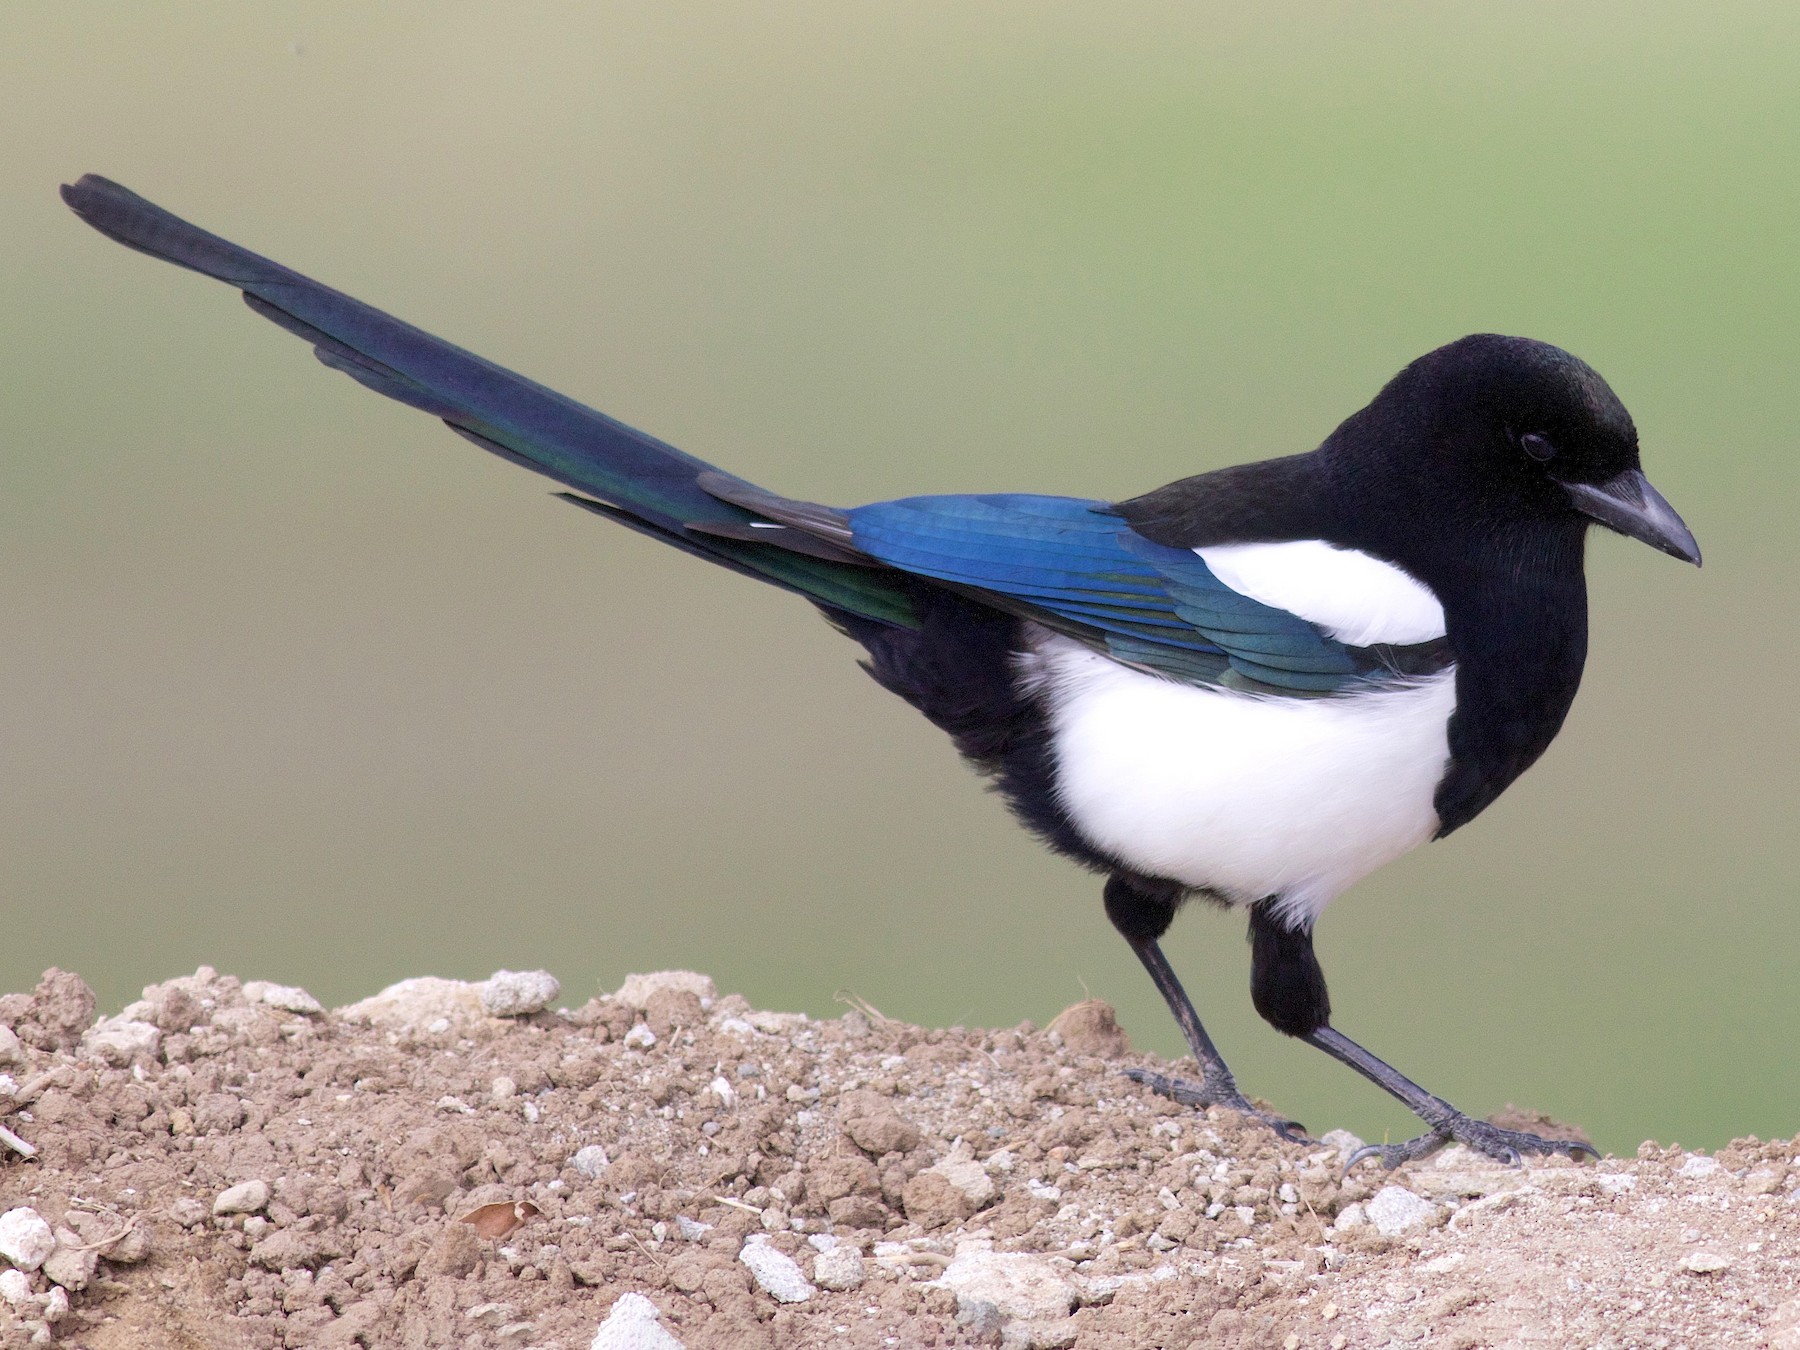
pixel 1253 686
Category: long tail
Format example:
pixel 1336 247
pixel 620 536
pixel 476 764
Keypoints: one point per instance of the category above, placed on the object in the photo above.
pixel 620 472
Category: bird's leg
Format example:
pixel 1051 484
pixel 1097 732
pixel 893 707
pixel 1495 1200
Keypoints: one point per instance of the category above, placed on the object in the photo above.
pixel 1141 910
pixel 1446 1124
pixel 1288 988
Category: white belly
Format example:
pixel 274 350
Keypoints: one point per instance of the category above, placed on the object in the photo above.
pixel 1246 795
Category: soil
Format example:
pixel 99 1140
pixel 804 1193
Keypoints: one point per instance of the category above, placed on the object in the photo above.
pixel 226 1165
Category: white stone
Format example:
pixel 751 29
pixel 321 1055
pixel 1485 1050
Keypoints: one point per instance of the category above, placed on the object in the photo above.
pixel 1396 1210
pixel 25 1239
pixel 839 1268
pixel 244 1198
pixel 634 1324
pixel 1699 1166
pixel 15 1286
pixel 518 993
pixel 636 991
pixel 777 1274
pixel 640 1037
pixel 56 1305
pixel 1706 1263
pixel 11 1051
pixel 1013 1284
pixel 590 1160
pixel 71 1265
pixel 1342 1141
pixel 966 1175
pixel 286 997
pixel 1350 1217
pixel 120 1042
pixel 419 1004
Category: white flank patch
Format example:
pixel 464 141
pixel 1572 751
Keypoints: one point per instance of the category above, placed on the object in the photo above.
pixel 1248 795
pixel 1355 597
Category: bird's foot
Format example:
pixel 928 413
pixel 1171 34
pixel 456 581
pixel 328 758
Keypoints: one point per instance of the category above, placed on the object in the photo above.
pixel 1217 1091
pixel 1507 1146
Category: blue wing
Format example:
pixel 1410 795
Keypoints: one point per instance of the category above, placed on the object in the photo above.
pixel 1075 567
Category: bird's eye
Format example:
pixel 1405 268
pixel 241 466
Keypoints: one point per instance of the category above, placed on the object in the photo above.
pixel 1537 446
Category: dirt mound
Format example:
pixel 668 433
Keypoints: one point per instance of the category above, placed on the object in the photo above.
pixel 227 1165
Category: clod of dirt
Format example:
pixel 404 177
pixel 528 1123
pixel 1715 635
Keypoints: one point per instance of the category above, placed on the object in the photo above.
pixel 673 1168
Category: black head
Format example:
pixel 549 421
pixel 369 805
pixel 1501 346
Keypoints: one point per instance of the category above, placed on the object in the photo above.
pixel 1495 432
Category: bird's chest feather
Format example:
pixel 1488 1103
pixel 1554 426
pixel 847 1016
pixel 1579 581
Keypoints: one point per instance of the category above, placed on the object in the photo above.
pixel 1244 795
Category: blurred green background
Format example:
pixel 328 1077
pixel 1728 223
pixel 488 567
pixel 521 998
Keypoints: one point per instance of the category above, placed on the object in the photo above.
pixel 298 684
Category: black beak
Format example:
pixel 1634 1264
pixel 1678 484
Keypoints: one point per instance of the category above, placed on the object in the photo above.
pixel 1627 503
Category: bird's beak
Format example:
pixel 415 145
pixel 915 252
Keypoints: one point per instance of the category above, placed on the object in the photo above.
pixel 1627 503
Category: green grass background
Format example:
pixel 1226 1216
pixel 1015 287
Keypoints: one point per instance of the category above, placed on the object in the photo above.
pixel 296 683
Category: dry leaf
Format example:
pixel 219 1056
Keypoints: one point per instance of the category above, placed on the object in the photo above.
pixel 498 1220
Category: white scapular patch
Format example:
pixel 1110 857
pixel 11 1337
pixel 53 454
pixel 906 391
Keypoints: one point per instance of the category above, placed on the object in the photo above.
pixel 1247 795
pixel 1355 597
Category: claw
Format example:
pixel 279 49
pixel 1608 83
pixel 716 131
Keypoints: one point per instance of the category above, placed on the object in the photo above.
pixel 1204 1094
pixel 1504 1146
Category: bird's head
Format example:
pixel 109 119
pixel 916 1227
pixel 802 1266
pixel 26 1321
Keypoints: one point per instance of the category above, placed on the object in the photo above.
pixel 1497 429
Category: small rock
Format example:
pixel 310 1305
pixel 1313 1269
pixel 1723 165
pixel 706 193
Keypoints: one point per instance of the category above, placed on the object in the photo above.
pixel 503 1089
pixel 15 1287
pixel 455 1252
pixel 640 1037
pixel 635 992
pixel 1343 1141
pixel 12 1049
pixel 25 1239
pixel 518 993
pixel 120 1042
pixel 70 1265
pixel 1699 1166
pixel 418 1004
pixel 667 1009
pixel 1396 1210
pixel 877 1128
pixel 1350 1217
pixel 1090 1027
pixel 590 1160
pixel 1706 1263
pixel 1011 1284
pixel 777 1274
pixel 633 1324
pixel 839 1268
pixel 1038 1335
pixel 247 1197
pixel 491 1314
pixel 188 1212
pixel 290 1249
pixel 286 997
pixel 62 1007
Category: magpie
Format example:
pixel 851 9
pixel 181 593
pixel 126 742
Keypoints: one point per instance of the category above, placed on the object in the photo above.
pixel 1254 686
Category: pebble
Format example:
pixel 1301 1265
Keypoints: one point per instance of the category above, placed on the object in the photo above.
pixel 518 993
pixel 633 1324
pixel 15 1286
pixel 11 1051
pixel 71 1265
pixel 590 1160
pixel 1011 1284
pixel 640 1037
pixel 1396 1210
pixel 25 1239
pixel 419 1004
pixel 1699 1166
pixel 839 1268
pixel 286 997
pixel 636 991
pixel 244 1198
pixel 1706 1263
pixel 120 1042
pixel 776 1274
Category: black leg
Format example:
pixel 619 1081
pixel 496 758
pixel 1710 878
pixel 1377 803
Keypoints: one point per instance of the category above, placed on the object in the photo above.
pixel 1141 909
pixel 1288 988
pixel 1446 1123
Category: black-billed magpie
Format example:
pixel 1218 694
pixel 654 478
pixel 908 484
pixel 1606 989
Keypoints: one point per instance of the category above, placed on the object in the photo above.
pixel 1255 686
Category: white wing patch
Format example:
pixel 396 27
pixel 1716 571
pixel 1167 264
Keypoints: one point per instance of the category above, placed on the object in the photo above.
pixel 1356 598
